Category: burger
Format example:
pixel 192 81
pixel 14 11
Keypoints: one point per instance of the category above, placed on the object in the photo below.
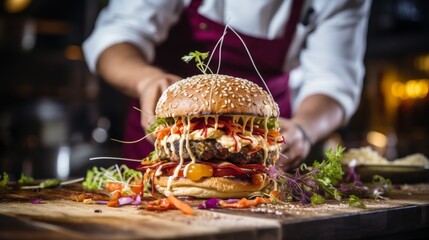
pixel 216 136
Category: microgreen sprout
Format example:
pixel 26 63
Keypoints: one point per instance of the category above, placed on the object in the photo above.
pixel 96 178
pixel 199 58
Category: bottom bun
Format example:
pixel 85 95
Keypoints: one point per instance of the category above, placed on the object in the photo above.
pixel 212 187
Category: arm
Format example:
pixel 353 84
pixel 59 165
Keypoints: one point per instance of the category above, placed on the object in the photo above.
pixel 122 46
pixel 124 67
pixel 317 115
pixel 332 69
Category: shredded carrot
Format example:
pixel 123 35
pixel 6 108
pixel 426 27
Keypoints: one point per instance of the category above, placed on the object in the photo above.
pixel 244 203
pixel 158 205
pixel 274 133
pixel 113 186
pixel 185 208
pixel 114 199
pixel 171 202
pixel 161 133
pixel 137 187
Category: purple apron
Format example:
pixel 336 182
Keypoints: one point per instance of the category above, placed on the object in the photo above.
pixel 196 32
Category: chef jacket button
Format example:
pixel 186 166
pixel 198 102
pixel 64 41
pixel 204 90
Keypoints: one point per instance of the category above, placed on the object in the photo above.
pixel 203 26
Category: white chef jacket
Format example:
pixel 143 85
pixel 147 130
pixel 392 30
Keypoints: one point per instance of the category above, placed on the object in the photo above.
pixel 325 56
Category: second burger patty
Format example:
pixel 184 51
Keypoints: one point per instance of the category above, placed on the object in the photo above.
pixel 210 149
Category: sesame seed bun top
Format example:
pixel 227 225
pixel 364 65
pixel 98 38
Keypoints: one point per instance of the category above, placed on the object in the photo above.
pixel 214 94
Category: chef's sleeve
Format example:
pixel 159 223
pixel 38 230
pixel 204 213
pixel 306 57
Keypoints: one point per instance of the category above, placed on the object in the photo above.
pixel 332 60
pixel 143 23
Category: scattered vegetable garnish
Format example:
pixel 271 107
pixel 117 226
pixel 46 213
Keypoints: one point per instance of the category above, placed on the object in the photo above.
pixel 24 180
pixel 36 201
pixel 244 202
pixel 321 179
pixel 4 179
pixel 382 187
pixel 325 180
pixel 210 204
pixel 168 203
pixel 355 201
pixel 50 183
pixel 199 58
pixel 113 178
pixel 185 208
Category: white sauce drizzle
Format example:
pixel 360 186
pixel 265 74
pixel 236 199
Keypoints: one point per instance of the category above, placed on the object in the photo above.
pixel 251 124
pixel 185 170
pixel 179 166
pixel 158 171
pixel 266 127
pixel 245 120
pixel 164 145
pixel 171 140
pixel 188 145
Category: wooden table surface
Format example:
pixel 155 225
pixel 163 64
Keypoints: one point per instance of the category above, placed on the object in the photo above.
pixel 403 215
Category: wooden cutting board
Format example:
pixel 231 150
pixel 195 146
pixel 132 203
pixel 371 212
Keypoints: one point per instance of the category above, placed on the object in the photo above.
pixel 58 217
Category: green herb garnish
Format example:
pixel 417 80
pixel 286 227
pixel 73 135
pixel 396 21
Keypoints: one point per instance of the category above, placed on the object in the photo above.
pixel 354 201
pixel 329 172
pixel 159 122
pixel 199 58
pixel 50 183
pixel 317 199
pixel 383 186
pixel 24 180
pixel 312 184
pixel 4 179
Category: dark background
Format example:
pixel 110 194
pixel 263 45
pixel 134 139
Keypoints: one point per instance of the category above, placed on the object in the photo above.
pixel 54 112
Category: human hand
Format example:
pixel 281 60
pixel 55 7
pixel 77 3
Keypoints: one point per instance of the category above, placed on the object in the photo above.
pixel 150 90
pixel 297 145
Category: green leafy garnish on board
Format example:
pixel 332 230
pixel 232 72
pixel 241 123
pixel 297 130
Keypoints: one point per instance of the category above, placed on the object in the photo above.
pixel 317 199
pixel 383 186
pixel 24 180
pixel 50 183
pixel 354 201
pixel 199 58
pixel 329 172
pixel 4 179
pixel 312 184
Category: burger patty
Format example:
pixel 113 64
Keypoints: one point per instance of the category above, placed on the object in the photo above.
pixel 210 149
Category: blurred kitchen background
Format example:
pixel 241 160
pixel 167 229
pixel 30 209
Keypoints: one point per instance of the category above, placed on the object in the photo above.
pixel 55 115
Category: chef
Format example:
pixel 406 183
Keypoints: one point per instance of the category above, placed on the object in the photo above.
pixel 310 53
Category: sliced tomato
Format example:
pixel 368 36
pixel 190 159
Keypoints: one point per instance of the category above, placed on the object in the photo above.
pixel 223 172
pixel 170 172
